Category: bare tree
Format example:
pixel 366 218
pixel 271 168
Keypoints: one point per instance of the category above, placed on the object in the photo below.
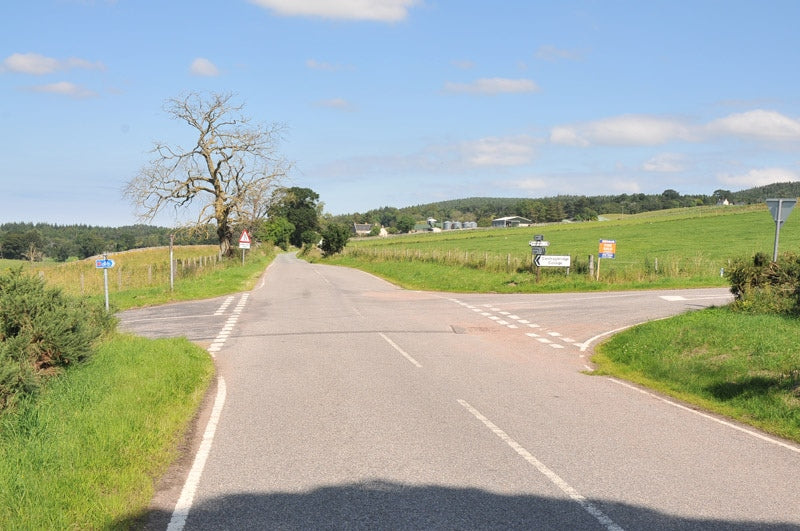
pixel 228 174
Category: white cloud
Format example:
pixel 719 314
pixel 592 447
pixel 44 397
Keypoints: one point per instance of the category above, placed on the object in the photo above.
pixel 629 129
pixel 759 177
pixel 665 163
pixel 463 64
pixel 495 85
pixel 530 184
pixel 65 88
pixel 203 67
pixel 376 10
pixel 492 151
pixel 337 103
pixel 38 65
pixel 551 53
pixel 313 64
pixel 758 123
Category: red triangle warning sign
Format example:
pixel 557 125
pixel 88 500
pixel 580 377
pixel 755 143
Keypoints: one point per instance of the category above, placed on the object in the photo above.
pixel 245 238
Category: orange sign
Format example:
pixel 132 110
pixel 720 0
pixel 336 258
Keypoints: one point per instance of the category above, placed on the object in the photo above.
pixel 608 248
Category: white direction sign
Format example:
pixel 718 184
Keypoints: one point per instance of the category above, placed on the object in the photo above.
pixel 538 243
pixel 551 260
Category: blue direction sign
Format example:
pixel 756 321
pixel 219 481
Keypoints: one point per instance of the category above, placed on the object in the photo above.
pixel 104 263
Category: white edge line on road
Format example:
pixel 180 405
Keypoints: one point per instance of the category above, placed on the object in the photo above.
pixel 184 504
pixel 401 351
pixel 588 506
pixel 710 417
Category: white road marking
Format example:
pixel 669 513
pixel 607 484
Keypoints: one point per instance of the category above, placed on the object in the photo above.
pixel 709 417
pixel 672 298
pixel 224 306
pixel 591 340
pixel 184 505
pixel 554 478
pixel 401 351
pixel 531 334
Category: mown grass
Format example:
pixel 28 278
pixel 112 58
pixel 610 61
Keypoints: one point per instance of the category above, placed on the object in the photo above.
pixel 85 453
pixel 741 365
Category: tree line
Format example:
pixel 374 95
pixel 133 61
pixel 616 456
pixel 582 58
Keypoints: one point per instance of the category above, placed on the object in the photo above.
pixel 39 241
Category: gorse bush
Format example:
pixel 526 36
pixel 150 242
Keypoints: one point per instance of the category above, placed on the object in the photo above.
pixel 42 331
pixel 763 286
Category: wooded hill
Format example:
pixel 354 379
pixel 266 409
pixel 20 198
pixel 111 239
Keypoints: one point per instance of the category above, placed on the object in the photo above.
pixel 558 208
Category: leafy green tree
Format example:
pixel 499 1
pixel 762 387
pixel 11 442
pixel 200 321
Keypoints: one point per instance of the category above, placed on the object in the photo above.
pixel 300 207
pixel 405 223
pixel 276 230
pixel 334 238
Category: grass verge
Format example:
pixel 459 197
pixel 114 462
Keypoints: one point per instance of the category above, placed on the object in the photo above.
pixel 232 277
pixel 83 455
pixel 743 366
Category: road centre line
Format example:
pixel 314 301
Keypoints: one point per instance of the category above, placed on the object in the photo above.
pixel 184 504
pixel 405 354
pixel 752 433
pixel 554 478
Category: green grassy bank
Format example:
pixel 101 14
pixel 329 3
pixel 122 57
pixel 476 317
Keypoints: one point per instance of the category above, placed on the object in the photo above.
pixel 86 452
pixel 744 366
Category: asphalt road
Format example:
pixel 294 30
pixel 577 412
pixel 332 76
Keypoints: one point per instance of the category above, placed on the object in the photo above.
pixel 343 402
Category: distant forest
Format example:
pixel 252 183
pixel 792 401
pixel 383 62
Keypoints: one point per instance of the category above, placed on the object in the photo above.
pixel 39 241
pixel 565 207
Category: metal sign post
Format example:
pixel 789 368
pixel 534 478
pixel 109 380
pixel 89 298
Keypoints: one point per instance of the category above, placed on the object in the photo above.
pixel 780 210
pixel 538 248
pixel 244 243
pixel 105 264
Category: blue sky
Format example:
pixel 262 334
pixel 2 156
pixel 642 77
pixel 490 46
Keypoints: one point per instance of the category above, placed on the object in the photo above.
pixel 404 102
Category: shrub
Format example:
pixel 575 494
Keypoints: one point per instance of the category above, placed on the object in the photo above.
pixel 42 331
pixel 762 286
pixel 334 238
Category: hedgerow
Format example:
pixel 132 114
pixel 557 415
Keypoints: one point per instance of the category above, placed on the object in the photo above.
pixel 42 331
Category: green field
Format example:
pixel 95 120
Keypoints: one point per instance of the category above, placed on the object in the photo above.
pixel 667 249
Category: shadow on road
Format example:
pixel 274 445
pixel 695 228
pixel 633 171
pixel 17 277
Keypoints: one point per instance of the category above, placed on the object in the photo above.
pixel 383 505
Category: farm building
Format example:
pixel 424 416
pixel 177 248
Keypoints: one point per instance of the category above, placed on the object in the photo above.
pixel 511 221
pixel 362 229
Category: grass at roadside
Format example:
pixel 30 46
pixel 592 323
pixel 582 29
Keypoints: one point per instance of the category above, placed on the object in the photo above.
pixel 232 277
pixel 744 366
pixel 84 454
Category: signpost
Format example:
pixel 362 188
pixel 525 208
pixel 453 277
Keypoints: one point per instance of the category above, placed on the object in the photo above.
pixel 608 249
pixel 244 243
pixel 105 264
pixel 780 210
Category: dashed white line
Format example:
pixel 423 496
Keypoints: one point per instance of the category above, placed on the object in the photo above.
pixel 554 478
pixel 405 354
